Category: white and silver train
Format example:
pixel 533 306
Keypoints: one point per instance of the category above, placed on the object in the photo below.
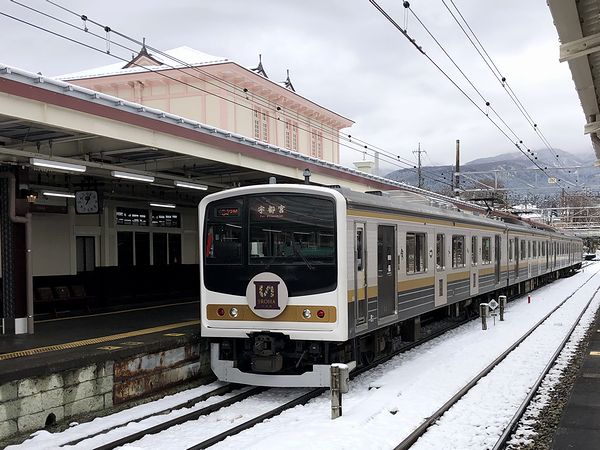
pixel 296 277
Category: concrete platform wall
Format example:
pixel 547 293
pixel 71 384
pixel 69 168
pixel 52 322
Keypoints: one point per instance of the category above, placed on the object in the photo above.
pixel 30 404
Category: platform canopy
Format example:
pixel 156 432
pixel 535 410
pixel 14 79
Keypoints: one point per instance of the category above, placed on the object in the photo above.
pixel 578 26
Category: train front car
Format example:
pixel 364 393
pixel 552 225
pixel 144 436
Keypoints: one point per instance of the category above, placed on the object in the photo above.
pixel 273 287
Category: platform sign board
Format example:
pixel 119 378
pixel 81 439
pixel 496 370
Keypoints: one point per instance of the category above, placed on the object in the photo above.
pixel 493 304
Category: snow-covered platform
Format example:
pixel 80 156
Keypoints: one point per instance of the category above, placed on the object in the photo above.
pixel 79 365
pixel 579 426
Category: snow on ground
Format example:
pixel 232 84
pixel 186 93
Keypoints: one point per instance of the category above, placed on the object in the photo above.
pixel 387 403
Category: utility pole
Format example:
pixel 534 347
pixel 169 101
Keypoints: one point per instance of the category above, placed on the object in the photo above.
pixel 419 173
pixel 457 170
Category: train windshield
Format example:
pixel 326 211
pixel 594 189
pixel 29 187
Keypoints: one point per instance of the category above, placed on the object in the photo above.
pixel 291 230
pixel 291 235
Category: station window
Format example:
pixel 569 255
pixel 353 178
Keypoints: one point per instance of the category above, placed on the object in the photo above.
pixel 261 125
pixel 166 249
pixel 316 143
pixel 291 135
pixel 132 216
pixel 133 248
pixel 416 245
pixel 486 250
pixel 86 253
pixel 144 248
pixel 440 258
pixel 474 250
pixel 458 251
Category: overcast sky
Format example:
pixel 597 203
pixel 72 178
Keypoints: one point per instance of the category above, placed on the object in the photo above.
pixel 344 55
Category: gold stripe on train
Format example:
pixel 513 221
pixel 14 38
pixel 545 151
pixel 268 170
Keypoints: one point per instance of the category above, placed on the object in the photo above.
pixel 291 313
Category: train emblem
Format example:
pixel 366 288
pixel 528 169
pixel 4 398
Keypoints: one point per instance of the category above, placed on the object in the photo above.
pixel 266 295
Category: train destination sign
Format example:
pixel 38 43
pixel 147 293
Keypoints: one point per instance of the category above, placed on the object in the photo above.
pixel 228 212
pixel 268 210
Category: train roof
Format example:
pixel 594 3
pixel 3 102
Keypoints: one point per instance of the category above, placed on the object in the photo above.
pixel 443 208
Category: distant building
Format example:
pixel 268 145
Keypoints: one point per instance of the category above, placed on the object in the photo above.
pixel 223 94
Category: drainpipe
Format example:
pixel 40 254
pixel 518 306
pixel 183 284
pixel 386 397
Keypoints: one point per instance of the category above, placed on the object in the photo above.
pixel 28 263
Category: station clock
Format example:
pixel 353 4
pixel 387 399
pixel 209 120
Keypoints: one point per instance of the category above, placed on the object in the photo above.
pixel 87 202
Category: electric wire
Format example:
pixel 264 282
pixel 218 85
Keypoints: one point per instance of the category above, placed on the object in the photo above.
pixel 498 75
pixel 449 78
pixel 266 103
pixel 365 150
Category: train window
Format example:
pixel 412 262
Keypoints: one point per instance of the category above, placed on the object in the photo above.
pixel 474 250
pixel 511 249
pixel 440 258
pixel 528 249
pixel 416 247
pixel 535 249
pixel 458 251
pixel 223 233
pixel 360 250
pixel 523 250
pixel 486 250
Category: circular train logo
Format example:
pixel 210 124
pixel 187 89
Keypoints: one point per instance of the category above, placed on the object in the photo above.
pixel 267 295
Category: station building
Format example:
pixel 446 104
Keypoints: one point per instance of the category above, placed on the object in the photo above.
pixel 101 173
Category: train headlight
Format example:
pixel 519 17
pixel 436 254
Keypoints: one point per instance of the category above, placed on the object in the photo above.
pixel 307 314
pixel 320 314
pixel 221 312
pixel 233 312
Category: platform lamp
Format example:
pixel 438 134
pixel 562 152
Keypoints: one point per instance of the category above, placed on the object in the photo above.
pixel 307 175
pixel 31 197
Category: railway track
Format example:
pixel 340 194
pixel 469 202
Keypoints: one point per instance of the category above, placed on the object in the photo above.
pixel 246 393
pixel 435 418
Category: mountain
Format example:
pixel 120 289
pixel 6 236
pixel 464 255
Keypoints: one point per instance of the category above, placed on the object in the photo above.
pixel 512 172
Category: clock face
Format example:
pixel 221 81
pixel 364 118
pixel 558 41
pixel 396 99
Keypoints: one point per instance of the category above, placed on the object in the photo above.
pixel 86 202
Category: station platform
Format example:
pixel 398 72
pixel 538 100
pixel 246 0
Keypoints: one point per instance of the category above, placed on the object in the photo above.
pixel 77 365
pixel 579 426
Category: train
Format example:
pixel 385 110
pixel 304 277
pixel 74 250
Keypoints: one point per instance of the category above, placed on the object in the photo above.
pixel 295 277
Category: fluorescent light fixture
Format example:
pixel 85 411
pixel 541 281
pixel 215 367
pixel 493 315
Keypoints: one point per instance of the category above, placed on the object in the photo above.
pixel 132 176
pixel 184 184
pixel 163 205
pixel 57 165
pixel 58 194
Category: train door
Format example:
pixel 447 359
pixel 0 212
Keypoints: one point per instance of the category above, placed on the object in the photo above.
pixel 474 273
pixel 441 283
pixel 529 253
pixel 498 258
pixel 360 274
pixel 517 256
pixel 386 270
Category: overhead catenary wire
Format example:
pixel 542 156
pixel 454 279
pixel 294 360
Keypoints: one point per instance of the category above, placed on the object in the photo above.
pixel 268 103
pixel 363 150
pixel 498 75
pixel 453 82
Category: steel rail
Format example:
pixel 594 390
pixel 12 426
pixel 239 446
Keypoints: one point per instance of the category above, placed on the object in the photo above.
pixel 181 419
pixel 422 429
pixel 511 427
pixel 250 423
pixel 187 404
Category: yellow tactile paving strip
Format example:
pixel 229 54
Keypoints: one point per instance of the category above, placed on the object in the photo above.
pixel 98 340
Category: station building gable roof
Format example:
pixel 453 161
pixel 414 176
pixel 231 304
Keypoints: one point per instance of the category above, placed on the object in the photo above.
pixel 178 58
